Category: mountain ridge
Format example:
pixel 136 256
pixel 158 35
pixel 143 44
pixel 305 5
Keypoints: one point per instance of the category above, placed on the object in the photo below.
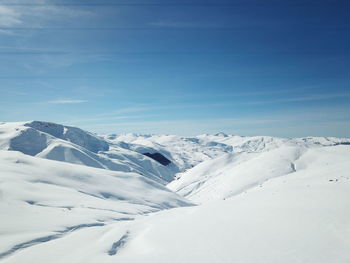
pixel 238 199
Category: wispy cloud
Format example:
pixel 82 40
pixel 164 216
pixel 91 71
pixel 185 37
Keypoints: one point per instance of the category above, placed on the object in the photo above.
pixel 66 101
pixel 12 16
pixel 9 17
pixel 315 97
pixel 132 109
pixel 20 20
pixel 239 22
pixel 181 24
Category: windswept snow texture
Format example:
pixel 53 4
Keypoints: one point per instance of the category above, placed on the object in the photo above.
pixel 302 216
pixel 67 195
pixel 71 134
pixel 42 200
pixel 73 145
pixel 253 161
pixel 184 153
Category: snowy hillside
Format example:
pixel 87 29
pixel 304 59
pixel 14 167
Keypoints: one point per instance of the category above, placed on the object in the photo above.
pixel 237 173
pixel 187 152
pixel 67 195
pixel 184 152
pixel 300 217
pixel 264 143
pixel 73 145
pixel 42 200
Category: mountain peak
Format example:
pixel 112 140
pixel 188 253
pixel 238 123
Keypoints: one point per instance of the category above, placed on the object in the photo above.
pixel 221 134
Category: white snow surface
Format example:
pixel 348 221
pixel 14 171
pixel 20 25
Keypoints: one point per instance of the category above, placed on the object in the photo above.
pixel 253 161
pixel 184 152
pixel 42 199
pixel 299 217
pixel 73 145
pixel 260 199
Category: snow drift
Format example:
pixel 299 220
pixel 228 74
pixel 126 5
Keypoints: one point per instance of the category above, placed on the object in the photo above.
pixel 67 195
pixel 43 198
pixel 298 217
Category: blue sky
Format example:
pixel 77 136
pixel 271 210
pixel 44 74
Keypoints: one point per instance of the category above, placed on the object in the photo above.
pixel 250 67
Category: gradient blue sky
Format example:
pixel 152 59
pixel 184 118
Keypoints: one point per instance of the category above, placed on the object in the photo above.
pixel 250 67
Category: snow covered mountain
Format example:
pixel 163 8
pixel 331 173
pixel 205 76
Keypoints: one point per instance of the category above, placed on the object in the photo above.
pixel 184 152
pixel 73 145
pixel 236 173
pixel 67 195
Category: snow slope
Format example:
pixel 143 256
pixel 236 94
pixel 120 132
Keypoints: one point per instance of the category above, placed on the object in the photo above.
pixel 73 145
pixel 184 152
pixel 253 161
pixel 299 217
pixel 265 143
pixel 42 200
pixel 187 152
pixel 263 199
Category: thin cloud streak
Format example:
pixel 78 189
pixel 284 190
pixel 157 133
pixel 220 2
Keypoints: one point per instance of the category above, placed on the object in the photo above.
pixel 300 99
pixel 37 14
pixel 119 114
pixel 66 101
pixel 115 114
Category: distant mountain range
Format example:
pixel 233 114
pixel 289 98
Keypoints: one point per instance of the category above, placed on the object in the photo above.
pixel 68 195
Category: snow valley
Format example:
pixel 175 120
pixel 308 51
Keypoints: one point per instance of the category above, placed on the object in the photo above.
pixel 68 195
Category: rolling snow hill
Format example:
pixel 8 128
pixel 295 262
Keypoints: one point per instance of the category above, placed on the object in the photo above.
pixel 42 200
pixel 299 217
pixel 67 195
pixel 236 173
pixel 184 152
pixel 73 145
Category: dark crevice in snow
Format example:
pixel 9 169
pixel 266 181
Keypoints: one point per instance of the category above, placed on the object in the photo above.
pixel 111 210
pixel 99 197
pixel 119 244
pixel 73 228
pixel 112 196
pixel 44 239
pixel 119 219
pixel 292 165
pixel 51 206
pixel 30 202
pixel 159 158
pixel 342 143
